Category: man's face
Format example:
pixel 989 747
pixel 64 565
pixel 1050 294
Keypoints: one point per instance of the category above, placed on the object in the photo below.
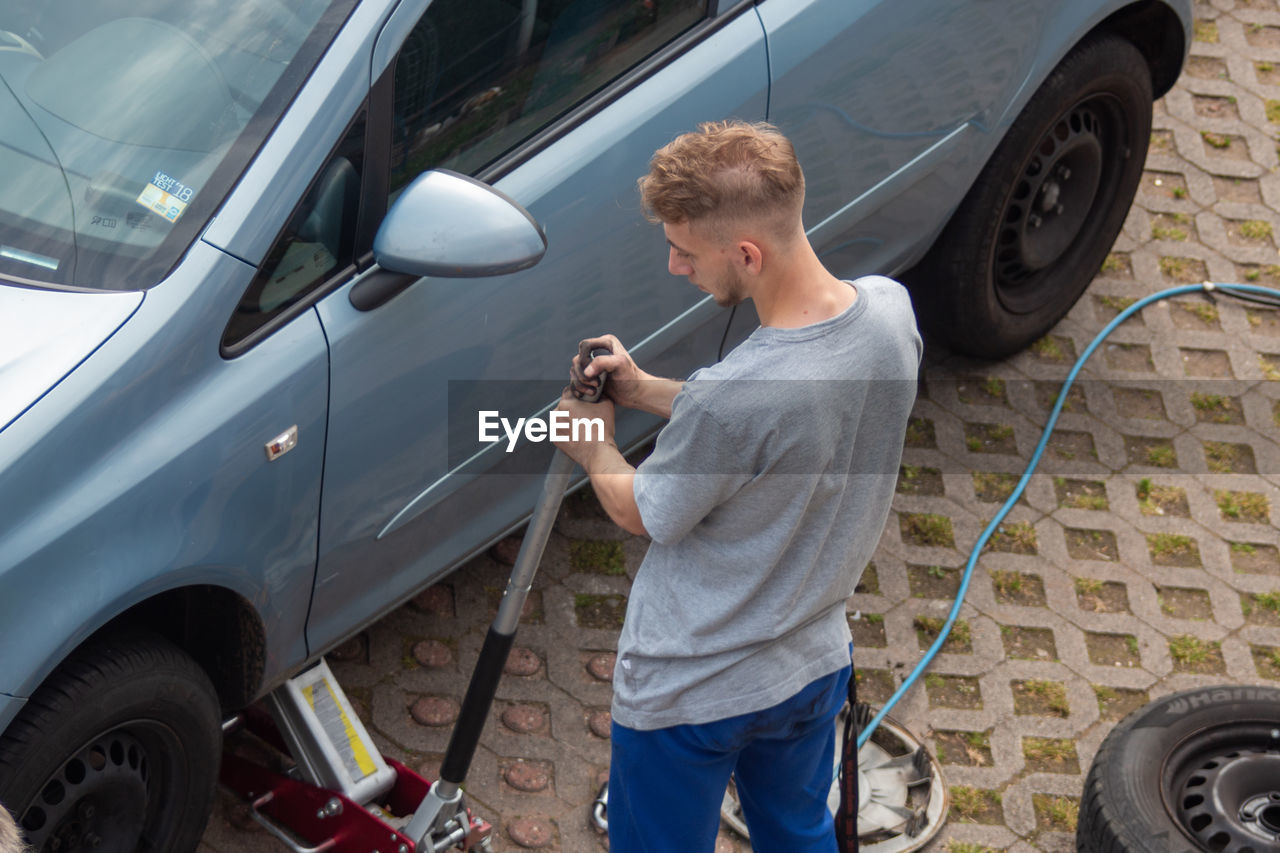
pixel 707 264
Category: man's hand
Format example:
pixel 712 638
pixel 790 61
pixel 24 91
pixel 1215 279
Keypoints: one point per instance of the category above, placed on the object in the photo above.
pixel 586 448
pixel 624 375
pixel 612 477
pixel 627 385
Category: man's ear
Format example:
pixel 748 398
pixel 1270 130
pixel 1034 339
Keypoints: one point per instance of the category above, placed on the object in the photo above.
pixel 750 258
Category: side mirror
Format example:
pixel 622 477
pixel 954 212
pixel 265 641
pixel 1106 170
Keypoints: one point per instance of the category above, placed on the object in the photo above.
pixel 449 225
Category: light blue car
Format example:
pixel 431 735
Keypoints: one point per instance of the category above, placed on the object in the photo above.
pixel 227 372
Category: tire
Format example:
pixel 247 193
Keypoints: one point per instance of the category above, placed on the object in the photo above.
pixel 1039 220
pixel 1179 775
pixel 117 751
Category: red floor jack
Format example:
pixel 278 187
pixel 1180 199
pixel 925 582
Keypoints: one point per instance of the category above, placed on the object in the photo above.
pixel 341 795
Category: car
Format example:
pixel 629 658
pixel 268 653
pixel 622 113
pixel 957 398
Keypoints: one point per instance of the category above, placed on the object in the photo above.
pixel 263 262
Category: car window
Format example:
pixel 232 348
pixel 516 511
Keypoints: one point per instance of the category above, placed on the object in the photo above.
pixel 475 78
pixel 124 124
pixel 317 244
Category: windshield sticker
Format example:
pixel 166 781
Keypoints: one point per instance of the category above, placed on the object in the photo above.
pixel 166 196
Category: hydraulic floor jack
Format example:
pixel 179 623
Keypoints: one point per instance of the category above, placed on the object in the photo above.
pixel 341 795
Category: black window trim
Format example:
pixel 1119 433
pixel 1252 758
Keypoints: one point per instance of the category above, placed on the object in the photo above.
pixel 369 212
pixel 711 23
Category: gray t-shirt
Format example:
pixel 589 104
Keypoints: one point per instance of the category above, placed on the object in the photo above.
pixel 765 497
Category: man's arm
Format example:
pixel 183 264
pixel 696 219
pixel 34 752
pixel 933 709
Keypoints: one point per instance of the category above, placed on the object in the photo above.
pixel 613 480
pixel 656 395
pixel 612 477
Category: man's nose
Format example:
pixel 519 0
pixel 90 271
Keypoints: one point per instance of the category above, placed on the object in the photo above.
pixel 677 266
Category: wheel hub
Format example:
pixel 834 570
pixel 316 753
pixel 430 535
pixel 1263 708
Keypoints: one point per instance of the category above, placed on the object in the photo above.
pixel 1228 797
pixel 96 801
pixel 1050 205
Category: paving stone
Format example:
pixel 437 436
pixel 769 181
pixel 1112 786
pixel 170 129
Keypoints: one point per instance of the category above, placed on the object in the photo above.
pixel 600 723
pixel 527 776
pixel 435 600
pixel 601 666
pixel 523 662
pixel 533 833
pixel 434 711
pixel 432 653
pixel 524 719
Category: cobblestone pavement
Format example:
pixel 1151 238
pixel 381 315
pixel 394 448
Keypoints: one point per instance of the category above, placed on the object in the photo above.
pixel 1143 558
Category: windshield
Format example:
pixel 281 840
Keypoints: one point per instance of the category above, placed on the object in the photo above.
pixel 123 123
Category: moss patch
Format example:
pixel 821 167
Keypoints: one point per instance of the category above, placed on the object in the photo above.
pixel 597 557
pixel 600 611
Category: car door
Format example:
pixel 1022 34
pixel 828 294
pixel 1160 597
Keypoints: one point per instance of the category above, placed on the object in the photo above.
pixel 892 107
pixel 559 104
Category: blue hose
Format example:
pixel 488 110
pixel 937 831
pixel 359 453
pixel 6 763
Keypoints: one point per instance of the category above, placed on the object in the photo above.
pixel 1208 287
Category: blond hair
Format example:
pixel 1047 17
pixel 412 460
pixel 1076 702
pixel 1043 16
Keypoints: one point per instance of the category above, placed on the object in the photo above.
pixel 726 173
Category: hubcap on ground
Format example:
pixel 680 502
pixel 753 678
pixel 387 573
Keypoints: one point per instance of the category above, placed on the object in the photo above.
pixel 902 796
pixel 96 801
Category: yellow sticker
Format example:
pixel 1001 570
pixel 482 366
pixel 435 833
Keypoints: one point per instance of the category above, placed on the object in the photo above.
pixel 166 196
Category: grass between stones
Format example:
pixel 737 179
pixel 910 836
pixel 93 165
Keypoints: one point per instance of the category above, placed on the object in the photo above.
pixel 1192 654
pixel 1116 703
pixel 1242 506
pixel 600 611
pixel 976 805
pixel 959 641
pixel 1050 755
pixel 1081 494
pixel 921 528
pixel 920 433
pixel 597 557
pixel 1161 500
pixel 993 486
pixel 964 749
pixel 1056 814
pixel 1216 408
pixel 1040 697
pixel 1172 549
pixel 1017 537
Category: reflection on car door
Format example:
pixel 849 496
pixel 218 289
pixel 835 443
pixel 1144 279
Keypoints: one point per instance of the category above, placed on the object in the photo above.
pixel 398 509
pixel 891 106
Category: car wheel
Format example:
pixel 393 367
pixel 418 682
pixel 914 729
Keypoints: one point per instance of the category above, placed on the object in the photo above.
pixel 1197 770
pixel 1043 213
pixel 117 751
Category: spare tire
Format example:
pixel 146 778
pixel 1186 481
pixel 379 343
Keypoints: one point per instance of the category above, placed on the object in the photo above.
pixel 1196 770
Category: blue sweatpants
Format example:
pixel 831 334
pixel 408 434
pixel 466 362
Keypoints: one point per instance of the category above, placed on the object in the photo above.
pixel 666 785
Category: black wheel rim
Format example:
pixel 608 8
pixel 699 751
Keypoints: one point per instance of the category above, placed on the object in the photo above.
pixel 1222 787
pixel 108 796
pixel 1064 190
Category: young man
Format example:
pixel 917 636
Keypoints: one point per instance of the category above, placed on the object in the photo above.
pixel 765 496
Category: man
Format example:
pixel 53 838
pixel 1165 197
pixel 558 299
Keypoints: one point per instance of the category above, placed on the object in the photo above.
pixel 765 496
